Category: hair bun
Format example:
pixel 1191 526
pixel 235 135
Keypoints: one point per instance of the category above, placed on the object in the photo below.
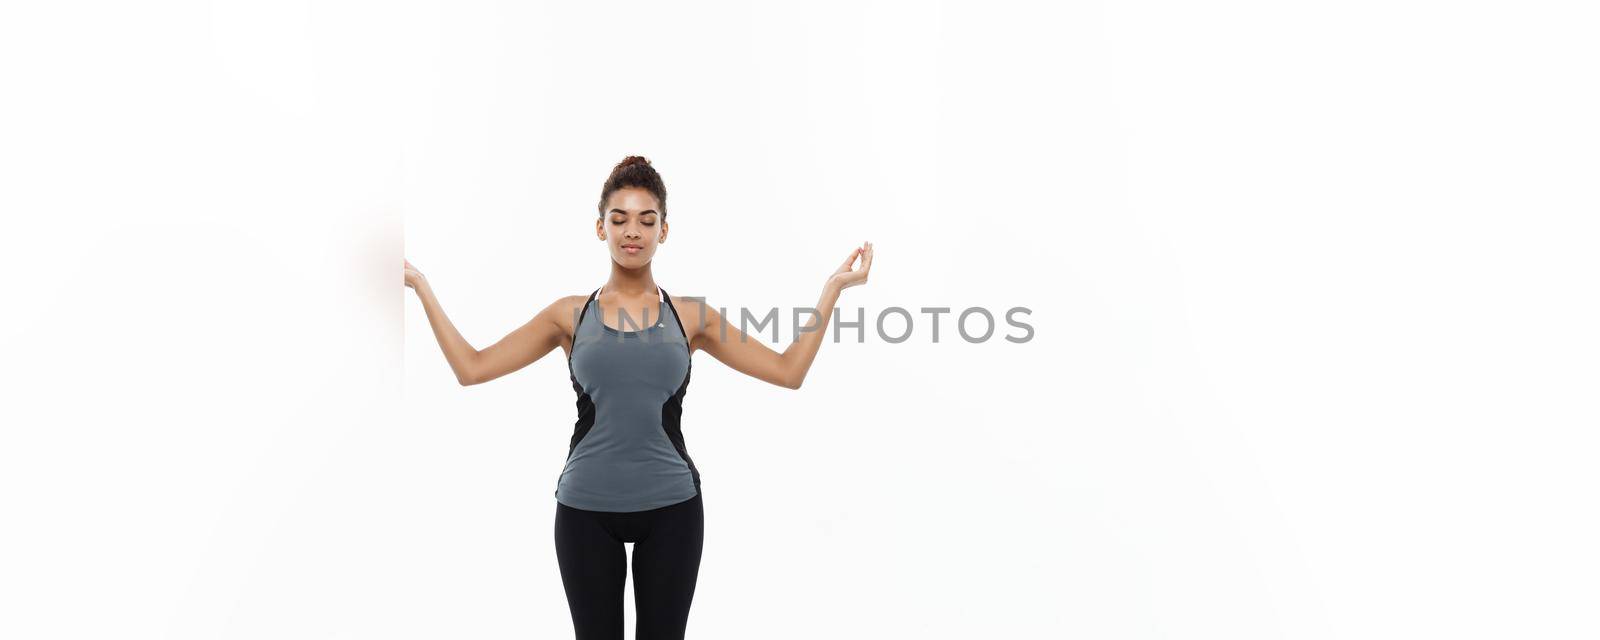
pixel 634 171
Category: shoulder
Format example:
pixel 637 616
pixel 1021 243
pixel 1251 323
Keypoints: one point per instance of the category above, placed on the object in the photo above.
pixel 691 304
pixel 564 310
pixel 569 303
pixel 694 312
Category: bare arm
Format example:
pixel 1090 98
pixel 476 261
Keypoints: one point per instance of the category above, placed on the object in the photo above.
pixel 518 349
pixel 732 347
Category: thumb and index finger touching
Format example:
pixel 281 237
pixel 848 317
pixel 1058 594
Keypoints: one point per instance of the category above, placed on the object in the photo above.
pixel 864 252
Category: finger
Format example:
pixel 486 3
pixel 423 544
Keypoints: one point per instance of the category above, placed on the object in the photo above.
pixel 850 260
pixel 866 259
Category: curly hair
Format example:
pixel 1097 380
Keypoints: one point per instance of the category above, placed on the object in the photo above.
pixel 634 171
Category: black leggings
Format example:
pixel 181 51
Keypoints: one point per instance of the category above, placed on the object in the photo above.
pixel 666 562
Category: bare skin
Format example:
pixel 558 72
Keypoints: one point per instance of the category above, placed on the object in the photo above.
pixel 632 220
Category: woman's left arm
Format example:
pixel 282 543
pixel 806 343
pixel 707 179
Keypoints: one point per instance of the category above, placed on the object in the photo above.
pixel 753 358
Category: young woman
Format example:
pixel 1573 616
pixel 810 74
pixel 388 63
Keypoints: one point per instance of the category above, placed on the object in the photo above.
pixel 628 475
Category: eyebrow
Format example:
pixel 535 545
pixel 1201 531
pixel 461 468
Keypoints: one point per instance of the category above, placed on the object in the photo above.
pixel 651 211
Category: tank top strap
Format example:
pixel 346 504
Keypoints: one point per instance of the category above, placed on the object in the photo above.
pixel 677 319
pixel 584 313
pixel 664 301
pixel 661 292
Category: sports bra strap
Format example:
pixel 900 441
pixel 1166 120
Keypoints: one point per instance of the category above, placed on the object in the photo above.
pixel 659 290
pixel 585 311
pixel 676 318
pixel 664 300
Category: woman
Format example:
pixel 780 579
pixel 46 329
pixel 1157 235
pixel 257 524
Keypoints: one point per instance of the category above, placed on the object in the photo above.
pixel 628 476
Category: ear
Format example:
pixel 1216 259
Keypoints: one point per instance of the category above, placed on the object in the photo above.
pixel 600 228
pixel 663 231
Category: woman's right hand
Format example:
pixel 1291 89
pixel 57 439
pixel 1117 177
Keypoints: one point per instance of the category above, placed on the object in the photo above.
pixel 847 275
pixel 413 276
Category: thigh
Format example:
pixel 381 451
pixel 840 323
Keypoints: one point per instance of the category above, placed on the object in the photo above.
pixel 666 564
pixel 593 571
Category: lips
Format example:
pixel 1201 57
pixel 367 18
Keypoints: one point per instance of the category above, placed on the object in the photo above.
pixel 632 248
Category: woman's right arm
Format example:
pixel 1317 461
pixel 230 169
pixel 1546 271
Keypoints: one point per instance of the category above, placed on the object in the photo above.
pixel 518 349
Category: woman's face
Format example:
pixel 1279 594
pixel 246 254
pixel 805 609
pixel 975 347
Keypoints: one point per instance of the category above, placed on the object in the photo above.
pixel 632 226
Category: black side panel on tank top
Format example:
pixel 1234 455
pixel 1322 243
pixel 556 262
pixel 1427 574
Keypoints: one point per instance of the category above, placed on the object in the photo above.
pixel 672 409
pixel 585 404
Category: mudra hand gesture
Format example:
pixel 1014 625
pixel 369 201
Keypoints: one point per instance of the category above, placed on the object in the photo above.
pixel 846 276
pixel 413 276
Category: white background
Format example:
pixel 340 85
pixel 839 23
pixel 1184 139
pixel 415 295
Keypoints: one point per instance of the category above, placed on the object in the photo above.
pixel 1313 287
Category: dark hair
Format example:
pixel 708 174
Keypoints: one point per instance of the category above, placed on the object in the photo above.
pixel 635 171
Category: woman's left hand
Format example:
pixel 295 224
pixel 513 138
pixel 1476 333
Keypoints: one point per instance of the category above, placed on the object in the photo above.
pixel 846 276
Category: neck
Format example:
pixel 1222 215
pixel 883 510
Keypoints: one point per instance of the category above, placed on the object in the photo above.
pixel 631 282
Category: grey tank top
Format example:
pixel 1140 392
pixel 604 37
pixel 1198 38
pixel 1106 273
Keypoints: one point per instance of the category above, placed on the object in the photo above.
pixel 627 451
